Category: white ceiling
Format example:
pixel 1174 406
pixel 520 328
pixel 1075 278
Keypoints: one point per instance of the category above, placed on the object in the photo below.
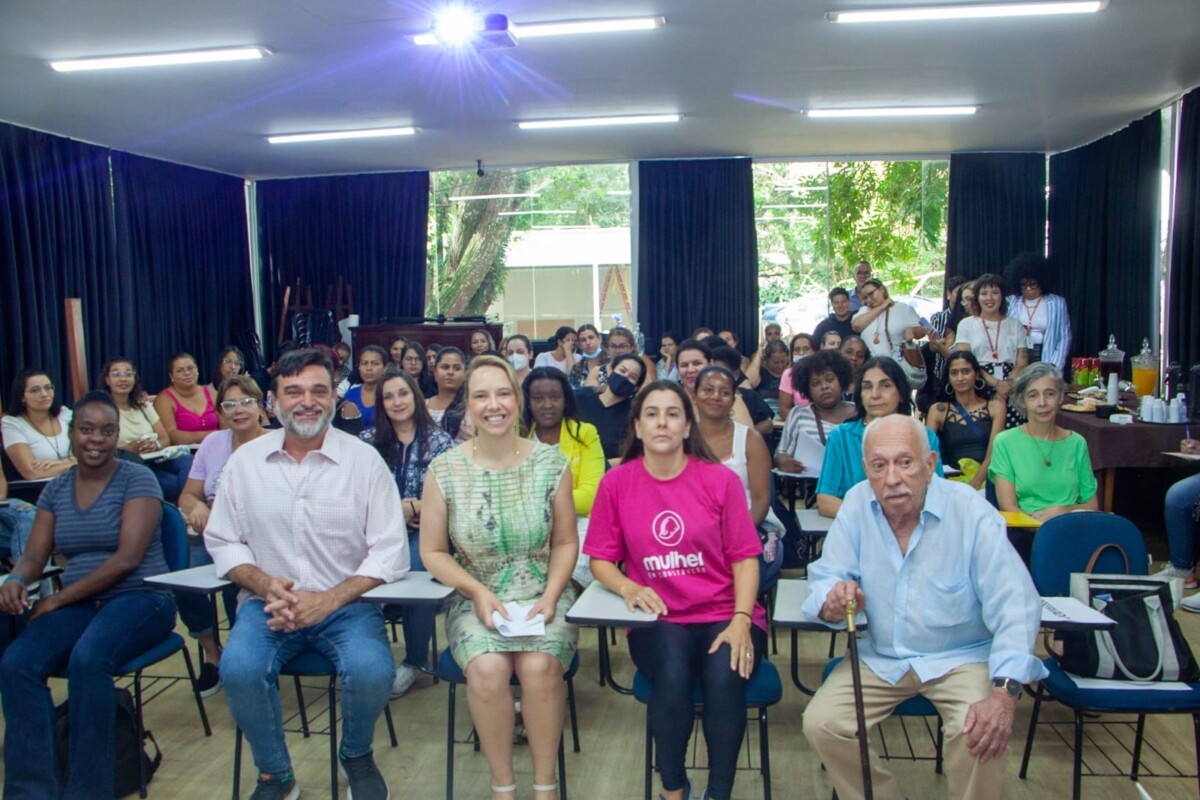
pixel 737 69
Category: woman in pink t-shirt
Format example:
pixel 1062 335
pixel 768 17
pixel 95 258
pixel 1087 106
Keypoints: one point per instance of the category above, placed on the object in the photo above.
pixel 679 521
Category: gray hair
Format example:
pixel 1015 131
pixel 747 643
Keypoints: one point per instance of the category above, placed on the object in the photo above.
pixel 915 428
pixel 1035 372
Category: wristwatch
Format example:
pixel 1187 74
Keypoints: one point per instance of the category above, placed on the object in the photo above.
pixel 1009 685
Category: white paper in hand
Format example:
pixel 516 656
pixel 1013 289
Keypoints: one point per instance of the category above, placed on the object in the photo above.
pixel 518 625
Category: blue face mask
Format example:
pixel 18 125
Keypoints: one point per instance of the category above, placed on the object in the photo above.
pixel 596 354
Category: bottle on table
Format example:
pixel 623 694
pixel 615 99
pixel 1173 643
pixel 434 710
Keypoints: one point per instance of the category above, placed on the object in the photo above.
pixel 1145 370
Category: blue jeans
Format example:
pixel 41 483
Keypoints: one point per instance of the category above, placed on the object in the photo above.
pixel 352 638
pixel 1181 528
pixel 195 610
pixel 88 640
pixel 16 521
pixel 172 474
pixel 418 622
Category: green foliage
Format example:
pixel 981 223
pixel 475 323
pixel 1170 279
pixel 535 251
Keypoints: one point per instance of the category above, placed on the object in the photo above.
pixel 892 214
pixel 468 239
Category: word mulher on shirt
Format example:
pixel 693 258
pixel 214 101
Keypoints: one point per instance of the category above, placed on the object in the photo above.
pixel 673 564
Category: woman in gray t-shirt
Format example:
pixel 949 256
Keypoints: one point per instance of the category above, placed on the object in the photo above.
pixel 103 515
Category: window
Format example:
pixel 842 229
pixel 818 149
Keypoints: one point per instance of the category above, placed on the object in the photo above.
pixel 535 248
pixel 816 219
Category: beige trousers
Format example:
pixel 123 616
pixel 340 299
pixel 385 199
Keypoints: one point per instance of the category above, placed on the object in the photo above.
pixel 830 725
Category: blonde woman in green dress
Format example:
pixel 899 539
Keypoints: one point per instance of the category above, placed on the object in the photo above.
pixel 505 503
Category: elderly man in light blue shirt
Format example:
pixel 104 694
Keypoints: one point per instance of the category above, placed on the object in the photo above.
pixel 953 615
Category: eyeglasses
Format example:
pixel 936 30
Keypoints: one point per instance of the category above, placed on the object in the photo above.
pixel 185 370
pixel 232 362
pixel 229 406
pixel 116 375
pixel 44 389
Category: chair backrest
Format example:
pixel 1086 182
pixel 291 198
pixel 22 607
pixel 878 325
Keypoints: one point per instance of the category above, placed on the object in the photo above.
pixel 174 538
pixel 1066 543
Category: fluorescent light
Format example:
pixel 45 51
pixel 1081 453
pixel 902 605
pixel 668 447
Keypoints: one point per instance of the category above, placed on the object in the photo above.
pixel 585 122
pixel 901 111
pixel 619 193
pixel 462 197
pixel 978 11
pixel 795 205
pixel 524 213
pixel 574 27
pixel 326 136
pixel 160 59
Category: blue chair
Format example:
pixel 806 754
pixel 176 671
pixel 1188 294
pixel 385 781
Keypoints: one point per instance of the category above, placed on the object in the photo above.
pixel 1064 545
pixel 175 552
pixel 449 671
pixel 763 690
pixel 311 664
pixel 912 707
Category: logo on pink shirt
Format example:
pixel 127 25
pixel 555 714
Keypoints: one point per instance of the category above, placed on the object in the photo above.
pixel 667 529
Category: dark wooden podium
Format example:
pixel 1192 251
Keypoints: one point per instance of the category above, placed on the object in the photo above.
pixel 453 334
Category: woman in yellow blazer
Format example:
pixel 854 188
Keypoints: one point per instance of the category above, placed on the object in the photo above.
pixel 551 418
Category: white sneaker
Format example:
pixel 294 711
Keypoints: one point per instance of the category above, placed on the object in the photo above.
pixel 1191 603
pixel 406 674
pixel 1188 576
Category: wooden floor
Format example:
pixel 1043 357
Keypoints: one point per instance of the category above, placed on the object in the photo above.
pixel 611 730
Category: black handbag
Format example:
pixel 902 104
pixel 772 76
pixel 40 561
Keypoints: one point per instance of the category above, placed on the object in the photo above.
pixel 1146 644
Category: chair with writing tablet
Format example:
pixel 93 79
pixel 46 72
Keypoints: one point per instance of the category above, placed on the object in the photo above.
pixel 1064 545
pixel 763 690
pixel 449 671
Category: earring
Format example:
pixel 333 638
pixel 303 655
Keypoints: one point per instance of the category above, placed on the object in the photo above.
pixel 980 383
pixel 949 389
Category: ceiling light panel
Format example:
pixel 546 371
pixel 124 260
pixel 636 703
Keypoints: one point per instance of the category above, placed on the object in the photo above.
pixel 975 11
pixel 588 122
pixel 576 27
pixel 160 59
pixel 329 136
pixel 901 111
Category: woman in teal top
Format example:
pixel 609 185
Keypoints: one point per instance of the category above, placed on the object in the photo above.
pixel 880 389
pixel 1040 468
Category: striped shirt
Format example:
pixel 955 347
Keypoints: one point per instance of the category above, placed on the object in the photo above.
pixel 88 536
pixel 317 522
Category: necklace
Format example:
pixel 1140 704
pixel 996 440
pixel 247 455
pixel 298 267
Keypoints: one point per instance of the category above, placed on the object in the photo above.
pixel 51 440
pixel 994 345
pixel 1029 314
pixel 1046 454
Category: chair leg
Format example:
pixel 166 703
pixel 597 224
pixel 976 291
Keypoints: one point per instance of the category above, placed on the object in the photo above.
pixel 303 709
pixel 1077 778
pixel 237 762
pixel 562 769
pixel 450 743
pixel 1196 734
pixel 187 659
pixel 1137 747
pixel 937 768
pixel 571 708
pixel 649 756
pixel 602 648
pixel 832 643
pixel 1033 719
pixel 391 726
pixel 433 656
pixel 137 713
pixel 764 753
pixel 333 739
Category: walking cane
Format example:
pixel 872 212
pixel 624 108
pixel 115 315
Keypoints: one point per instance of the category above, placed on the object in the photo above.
pixel 852 655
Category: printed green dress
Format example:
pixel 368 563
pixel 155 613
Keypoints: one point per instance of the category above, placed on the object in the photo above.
pixel 500 524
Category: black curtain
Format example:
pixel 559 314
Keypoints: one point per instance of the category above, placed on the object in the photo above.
pixel 1104 201
pixel 997 210
pixel 1183 333
pixel 57 239
pixel 697 250
pixel 184 262
pixel 369 229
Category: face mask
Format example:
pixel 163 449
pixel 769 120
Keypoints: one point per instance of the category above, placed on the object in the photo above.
pixel 519 361
pixel 596 354
pixel 621 386
pixel 797 359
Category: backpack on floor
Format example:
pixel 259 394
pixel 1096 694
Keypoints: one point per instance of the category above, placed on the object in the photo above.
pixel 131 754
